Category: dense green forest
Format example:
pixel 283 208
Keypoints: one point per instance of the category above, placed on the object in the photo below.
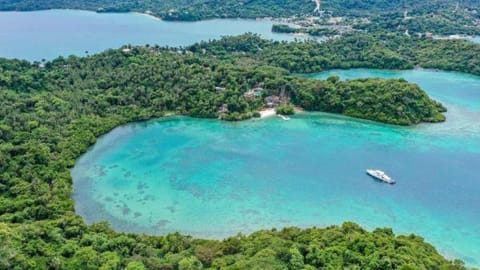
pixel 67 243
pixel 440 23
pixel 202 9
pixel 52 112
pixel 386 51
pixel 415 7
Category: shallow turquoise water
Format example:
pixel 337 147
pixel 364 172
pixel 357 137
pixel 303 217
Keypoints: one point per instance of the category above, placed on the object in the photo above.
pixel 212 179
pixel 48 34
pixel 475 39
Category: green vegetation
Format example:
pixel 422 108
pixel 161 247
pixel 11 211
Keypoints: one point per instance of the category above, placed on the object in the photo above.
pixel 439 24
pixel 389 101
pixel 52 112
pixel 283 28
pixel 385 51
pixel 155 80
pixel 203 9
pixel 285 109
pixel 68 243
pixel 360 8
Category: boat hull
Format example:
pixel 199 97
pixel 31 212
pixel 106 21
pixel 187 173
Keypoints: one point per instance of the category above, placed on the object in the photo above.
pixel 388 181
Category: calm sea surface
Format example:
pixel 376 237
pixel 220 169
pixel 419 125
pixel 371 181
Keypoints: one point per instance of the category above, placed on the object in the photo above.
pixel 212 179
pixel 49 34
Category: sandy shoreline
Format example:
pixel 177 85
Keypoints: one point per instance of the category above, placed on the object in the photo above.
pixel 267 113
pixel 271 112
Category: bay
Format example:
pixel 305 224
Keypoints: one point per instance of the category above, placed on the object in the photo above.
pixel 48 34
pixel 212 179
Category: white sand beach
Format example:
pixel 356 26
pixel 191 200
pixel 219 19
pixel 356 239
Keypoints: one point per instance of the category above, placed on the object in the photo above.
pixel 267 112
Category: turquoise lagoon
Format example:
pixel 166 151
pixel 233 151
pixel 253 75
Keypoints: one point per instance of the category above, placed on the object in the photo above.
pixel 48 34
pixel 212 179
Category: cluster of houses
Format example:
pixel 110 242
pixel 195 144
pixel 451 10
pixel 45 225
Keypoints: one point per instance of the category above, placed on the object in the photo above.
pixel 431 35
pixel 273 101
pixel 254 94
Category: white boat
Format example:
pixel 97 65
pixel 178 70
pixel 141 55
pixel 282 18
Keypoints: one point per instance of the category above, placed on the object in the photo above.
pixel 380 175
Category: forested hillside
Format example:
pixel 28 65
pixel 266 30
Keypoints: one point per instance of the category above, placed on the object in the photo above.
pixel 387 51
pixel 184 10
pixel 372 7
pixel 203 9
